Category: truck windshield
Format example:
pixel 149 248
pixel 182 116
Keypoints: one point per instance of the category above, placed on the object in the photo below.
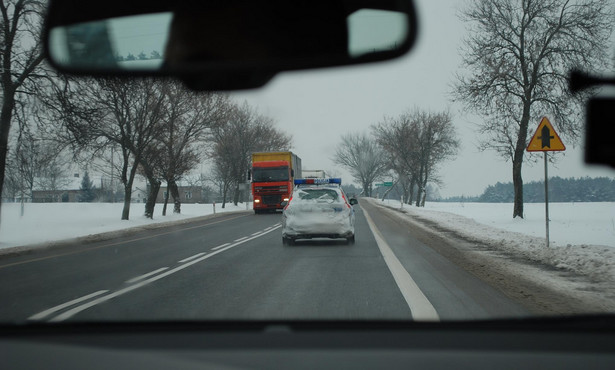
pixel 270 174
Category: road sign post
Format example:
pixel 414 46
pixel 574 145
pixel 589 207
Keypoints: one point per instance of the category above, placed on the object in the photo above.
pixel 546 198
pixel 545 140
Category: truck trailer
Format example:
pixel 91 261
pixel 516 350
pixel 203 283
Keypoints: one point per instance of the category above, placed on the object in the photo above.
pixel 272 176
pixel 313 174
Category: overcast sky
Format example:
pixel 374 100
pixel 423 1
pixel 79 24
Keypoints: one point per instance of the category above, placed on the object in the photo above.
pixel 318 107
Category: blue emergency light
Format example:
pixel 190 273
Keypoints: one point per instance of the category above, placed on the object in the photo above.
pixel 318 181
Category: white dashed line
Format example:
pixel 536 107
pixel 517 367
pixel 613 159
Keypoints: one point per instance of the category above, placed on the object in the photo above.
pixel 145 276
pixel 139 281
pixel 220 246
pixel 48 312
pixel 191 258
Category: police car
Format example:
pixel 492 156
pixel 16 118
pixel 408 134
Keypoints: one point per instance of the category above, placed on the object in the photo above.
pixel 318 208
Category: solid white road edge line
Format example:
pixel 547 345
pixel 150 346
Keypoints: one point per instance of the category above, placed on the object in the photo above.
pixel 141 277
pixel 191 258
pixel 70 313
pixel 48 312
pixel 420 306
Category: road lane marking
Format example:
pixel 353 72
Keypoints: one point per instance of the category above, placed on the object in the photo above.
pixel 70 313
pixel 220 246
pixel 420 307
pixel 43 314
pixel 256 233
pixel 240 239
pixel 191 258
pixel 145 276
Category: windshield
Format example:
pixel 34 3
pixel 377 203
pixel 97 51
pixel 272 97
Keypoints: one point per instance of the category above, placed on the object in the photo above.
pixel 131 199
pixel 318 195
pixel 270 174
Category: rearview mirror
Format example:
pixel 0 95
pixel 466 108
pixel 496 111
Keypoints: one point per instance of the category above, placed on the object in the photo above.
pixel 223 44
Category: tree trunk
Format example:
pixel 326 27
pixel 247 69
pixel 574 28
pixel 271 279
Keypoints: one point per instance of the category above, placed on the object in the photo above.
pixel 151 197
pixel 8 103
pixel 224 193
pixel 517 162
pixel 366 190
pixel 420 182
pixel 423 195
pixel 411 197
pixel 177 204
pixel 127 196
pixel 418 196
pixel 236 195
pixel 128 191
pixel 166 201
pixel 518 188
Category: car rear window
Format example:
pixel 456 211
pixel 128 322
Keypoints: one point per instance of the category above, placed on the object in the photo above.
pixel 318 194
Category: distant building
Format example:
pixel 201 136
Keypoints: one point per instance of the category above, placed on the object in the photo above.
pixel 64 189
pixel 187 194
pixel 67 189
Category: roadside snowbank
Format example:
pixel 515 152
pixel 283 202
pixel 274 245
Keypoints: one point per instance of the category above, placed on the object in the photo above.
pixel 46 222
pixel 582 235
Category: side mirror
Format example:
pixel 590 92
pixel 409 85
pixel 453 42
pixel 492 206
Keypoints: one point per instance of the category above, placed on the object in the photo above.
pixel 353 201
pixel 284 203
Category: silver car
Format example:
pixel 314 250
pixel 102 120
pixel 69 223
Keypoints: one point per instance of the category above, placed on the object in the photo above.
pixel 318 209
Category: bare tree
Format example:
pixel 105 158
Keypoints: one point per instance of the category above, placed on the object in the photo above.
pixel 244 132
pixel 20 55
pixel 224 161
pixel 517 58
pixel 34 160
pixel 416 142
pixel 437 142
pixel 398 137
pixel 363 157
pixel 123 113
pixel 187 118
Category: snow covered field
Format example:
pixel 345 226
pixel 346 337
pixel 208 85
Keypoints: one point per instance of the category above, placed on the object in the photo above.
pixel 570 223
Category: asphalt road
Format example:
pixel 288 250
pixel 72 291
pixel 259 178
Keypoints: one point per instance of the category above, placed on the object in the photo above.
pixel 234 266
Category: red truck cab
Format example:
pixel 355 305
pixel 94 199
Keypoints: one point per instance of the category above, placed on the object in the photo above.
pixel 272 176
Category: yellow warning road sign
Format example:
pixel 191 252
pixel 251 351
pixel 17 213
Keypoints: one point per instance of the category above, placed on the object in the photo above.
pixel 545 139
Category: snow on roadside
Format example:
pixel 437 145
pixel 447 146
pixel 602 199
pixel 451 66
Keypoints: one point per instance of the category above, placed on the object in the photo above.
pixel 582 234
pixel 571 223
pixel 48 222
